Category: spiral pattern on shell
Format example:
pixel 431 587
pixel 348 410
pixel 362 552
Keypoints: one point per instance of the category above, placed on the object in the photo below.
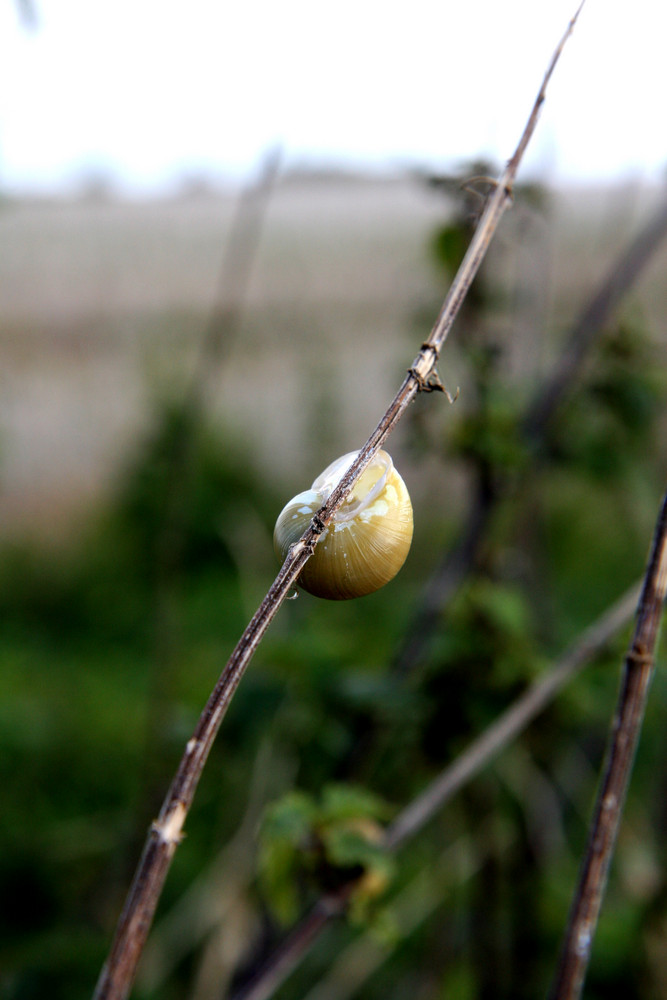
pixel 368 538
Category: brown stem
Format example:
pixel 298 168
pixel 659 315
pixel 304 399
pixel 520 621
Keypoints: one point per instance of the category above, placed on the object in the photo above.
pixel 621 277
pixel 411 820
pixel 457 562
pixel 626 727
pixel 447 577
pixel 223 323
pixel 165 834
pixel 288 956
pixel 510 723
pixel 235 273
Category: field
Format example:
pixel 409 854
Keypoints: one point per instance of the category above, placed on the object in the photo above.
pixel 158 405
pixel 103 305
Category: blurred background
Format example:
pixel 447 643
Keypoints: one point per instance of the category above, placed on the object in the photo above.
pixel 224 234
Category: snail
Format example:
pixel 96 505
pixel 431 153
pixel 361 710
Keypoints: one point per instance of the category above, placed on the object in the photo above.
pixel 368 538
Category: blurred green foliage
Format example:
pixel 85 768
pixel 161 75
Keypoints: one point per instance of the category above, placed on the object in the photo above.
pixel 305 844
pixel 109 648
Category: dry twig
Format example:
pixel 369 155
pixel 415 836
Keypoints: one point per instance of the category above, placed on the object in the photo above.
pixel 167 831
pixel 510 723
pixel 221 328
pixel 625 730
pixel 421 810
pixel 621 277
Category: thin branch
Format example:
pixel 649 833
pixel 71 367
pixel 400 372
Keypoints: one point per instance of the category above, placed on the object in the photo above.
pixel 289 955
pixel 625 730
pixel 212 896
pixel 421 810
pixel 224 320
pixel 411 907
pixel 623 274
pixel 235 275
pixel 448 575
pixel 166 833
pixel 534 427
pixel 510 723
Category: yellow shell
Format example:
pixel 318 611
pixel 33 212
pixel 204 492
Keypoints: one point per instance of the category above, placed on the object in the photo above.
pixel 368 539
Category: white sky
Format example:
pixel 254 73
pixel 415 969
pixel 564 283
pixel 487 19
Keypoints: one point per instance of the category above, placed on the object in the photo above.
pixel 148 90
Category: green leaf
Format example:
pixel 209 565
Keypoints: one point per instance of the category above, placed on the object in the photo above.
pixel 341 801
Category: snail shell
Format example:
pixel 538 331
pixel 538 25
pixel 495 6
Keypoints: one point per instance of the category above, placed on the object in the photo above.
pixel 368 539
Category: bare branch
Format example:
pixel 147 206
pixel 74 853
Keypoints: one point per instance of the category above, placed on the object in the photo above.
pixel 213 897
pixel 597 311
pixel 234 276
pixel 621 277
pixel 218 334
pixel 447 576
pixel 412 906
pixel 625 730
pixel 294 948
pixel 165 834
pixel 510 723
pixel 422 809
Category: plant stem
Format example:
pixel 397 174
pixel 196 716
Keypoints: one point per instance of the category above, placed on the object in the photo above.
pixel 510 723
pixel 534 432
pixel 621 277
pixel 166 832
pixel 624 737
pixel 412 819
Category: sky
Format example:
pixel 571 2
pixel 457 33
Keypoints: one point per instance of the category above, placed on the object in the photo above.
pixel 146 93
